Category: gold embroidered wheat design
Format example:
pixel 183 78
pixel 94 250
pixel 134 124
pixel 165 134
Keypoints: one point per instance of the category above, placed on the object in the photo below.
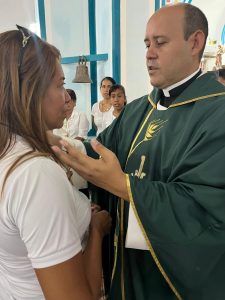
pixel 153 128
pixel 151 131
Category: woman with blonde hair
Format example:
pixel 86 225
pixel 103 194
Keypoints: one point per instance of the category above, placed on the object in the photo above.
pixel 44 221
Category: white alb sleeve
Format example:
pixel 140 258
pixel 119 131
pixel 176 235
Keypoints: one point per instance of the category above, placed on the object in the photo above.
pixel 83 126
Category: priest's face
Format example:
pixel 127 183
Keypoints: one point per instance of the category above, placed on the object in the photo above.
pixel 168 56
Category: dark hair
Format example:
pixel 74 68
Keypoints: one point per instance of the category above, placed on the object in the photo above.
pixel 221 73
pixel 194 19
pixel 109 79
pixel 117 87
pixel 72 94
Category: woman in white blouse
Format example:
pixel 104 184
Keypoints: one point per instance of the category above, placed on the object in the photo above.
pixel 76 124
pixel 102 110
pixel 44 220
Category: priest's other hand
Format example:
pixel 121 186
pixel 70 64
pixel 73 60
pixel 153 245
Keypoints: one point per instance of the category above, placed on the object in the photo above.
pixel 104 172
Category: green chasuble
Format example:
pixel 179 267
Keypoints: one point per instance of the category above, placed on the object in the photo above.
pixel 175 165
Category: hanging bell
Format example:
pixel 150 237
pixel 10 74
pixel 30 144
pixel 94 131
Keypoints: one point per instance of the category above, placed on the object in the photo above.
pixel 82 75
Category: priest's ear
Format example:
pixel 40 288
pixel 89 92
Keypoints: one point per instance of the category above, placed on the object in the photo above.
pixel 197 42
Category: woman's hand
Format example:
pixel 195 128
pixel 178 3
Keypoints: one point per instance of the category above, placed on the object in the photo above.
pixel 101 221
pixel 95 208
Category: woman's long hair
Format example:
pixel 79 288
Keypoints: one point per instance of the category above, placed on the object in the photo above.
pixel 25 75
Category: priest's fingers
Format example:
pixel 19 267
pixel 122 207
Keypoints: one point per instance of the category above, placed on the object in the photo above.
pixel 104 153
pixel 68 154
pixel 72 156
pixel 84 165
pixel 105 172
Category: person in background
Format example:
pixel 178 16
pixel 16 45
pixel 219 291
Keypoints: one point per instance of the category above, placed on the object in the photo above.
pixel 118 99
pixel 75 127
pixel 76 124
pixel 102 111
pixel 219 55
pixel 221 75
pixel 165 165
pixel 50 244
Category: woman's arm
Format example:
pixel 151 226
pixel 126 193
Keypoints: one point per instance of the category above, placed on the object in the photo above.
pixel 48 223
pixel 65 281
pixel 93 252
pixel 79 277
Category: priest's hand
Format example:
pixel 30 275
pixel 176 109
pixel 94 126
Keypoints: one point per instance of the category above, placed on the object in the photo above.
pixel 104 172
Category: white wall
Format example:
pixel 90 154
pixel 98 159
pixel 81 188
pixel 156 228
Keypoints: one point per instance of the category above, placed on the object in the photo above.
pixel 67 26
pixel 67 29
pixel 215 13
pixel 14 12
pixel 103 39
pixel 134 76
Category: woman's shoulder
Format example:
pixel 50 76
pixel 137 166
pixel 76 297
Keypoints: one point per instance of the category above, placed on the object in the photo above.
pixel 31 162
pixel 95 107
pixel 82 114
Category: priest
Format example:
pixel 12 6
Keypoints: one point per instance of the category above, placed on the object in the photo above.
pixel 165 167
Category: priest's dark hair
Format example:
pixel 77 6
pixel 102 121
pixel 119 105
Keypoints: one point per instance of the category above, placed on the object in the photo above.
pixel 194 19
pixel 221 73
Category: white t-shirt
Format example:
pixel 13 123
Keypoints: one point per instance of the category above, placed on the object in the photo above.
pixel 76 125
pixel 101 119
pixel 43 219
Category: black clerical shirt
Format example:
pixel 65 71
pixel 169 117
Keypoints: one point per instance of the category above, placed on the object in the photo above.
pixel 175 92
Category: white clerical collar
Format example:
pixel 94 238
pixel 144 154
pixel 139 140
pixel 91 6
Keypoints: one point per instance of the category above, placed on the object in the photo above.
pixel 161 107
pixel 167 90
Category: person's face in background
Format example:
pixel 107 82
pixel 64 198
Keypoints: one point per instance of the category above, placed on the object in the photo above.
pixel 118 99
pixel 54 105
pixel 168 56
pixel 70 106
pixel 106 85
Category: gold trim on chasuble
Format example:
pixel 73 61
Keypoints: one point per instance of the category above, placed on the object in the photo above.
pixel 152 129
pixel 151 249
pixel 121 226
pixel 122 250
pixel 115 245
pixel 188 101
pixel 116 240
